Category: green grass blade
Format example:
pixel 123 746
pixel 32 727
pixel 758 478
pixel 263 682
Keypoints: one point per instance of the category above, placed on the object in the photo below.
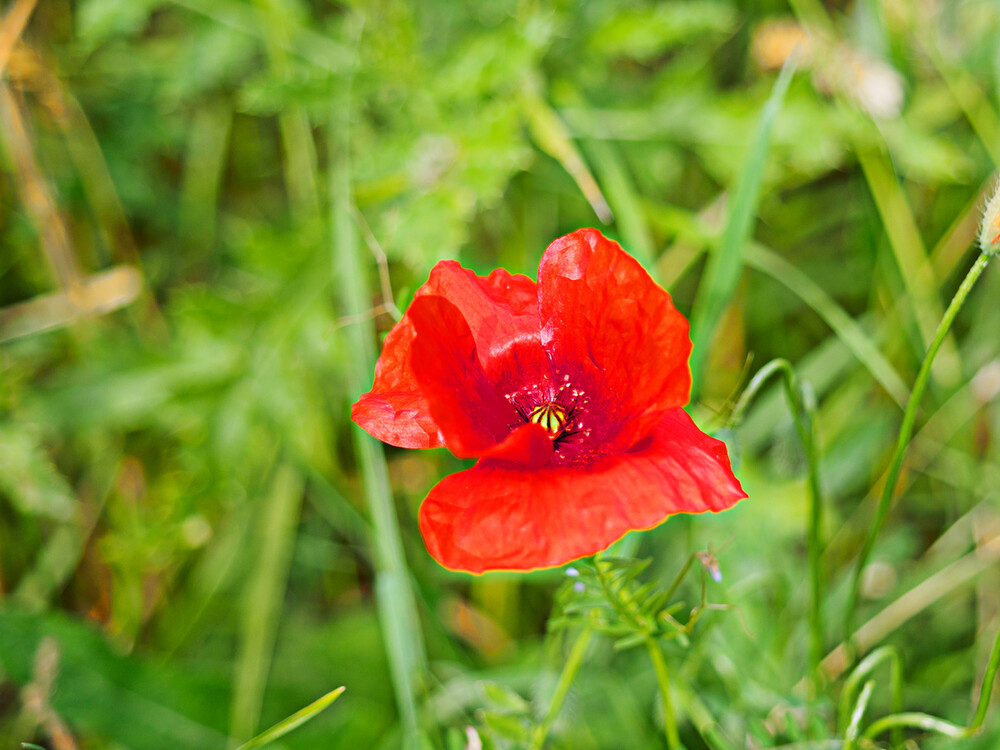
pixel 986 689
pixel 849 331
pixel 910 254
pixel 395 601
pixel 296 133
pixel 724 267
pixel 886 654
pixel 852 334
pixel 294 721
pixel 905 433
pixel 308 45
pixel 626 204
pixel 964 88
pixel 803 414
pixel 857 714
pixel 264 597
pixel 553 137
pixel 204 168
pixel 929 723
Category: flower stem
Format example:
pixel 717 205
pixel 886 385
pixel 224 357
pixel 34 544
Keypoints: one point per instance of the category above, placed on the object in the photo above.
pixel 802 415
pixel 569 671
pixel 663 679
pixel 905 433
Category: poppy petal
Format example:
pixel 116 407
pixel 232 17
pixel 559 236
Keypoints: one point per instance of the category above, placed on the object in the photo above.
pixel 473 418
pixel 395 410
pixel 499 516
pixel 529 445
pixel 602 312
pixel 499 309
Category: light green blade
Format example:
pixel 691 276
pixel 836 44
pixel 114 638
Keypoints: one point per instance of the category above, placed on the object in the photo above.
pixel 724 267
pixel 294 721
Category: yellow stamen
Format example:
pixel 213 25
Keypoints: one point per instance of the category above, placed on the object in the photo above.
pixel 552 417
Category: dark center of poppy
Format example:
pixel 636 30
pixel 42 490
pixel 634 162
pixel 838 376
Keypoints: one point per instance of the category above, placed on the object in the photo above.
pixel 551 416
pixel 559 409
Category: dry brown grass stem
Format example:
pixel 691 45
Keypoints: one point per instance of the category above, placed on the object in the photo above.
pixel 12 27
pixel 37 694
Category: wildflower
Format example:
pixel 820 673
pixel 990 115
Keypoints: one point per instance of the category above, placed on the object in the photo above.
pixel 568 391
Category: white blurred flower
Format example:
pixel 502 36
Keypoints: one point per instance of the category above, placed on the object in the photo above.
pixel 472 741
pixel 877 87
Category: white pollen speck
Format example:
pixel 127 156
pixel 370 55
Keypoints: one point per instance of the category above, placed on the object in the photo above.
pixel 579 425
pixel 566 378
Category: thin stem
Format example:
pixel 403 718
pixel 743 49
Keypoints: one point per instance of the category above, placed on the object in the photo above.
pixel 569 671
pixel 663 680
pixel 929 723
pixel 865 668
pixel 680 577
pixel 934 724
pixel 802 415
pixel 706 724
pixel 988 677
pixel 13 25
pixel 854 726
pixel 394 598
pixel 925 722
pixel 905 433
pixel 625 607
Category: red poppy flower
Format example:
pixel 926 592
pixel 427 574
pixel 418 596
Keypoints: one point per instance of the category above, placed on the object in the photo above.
pixel 568 391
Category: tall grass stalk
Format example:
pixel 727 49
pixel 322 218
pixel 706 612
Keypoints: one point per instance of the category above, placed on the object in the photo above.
pixel 802 415
pixel 905 433
pixel 566 678
pixel 663 680
pixel 264 595
pixel 849 704
pixel 395 601
pixel 723 271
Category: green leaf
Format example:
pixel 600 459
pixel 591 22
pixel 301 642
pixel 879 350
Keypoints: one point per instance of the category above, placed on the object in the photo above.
pixel 504 698
pixel 297 719
pixel 29 478
pixel 507 726
pixel 99 20
pixel 630 641
pixel 264 594
pixel 645 32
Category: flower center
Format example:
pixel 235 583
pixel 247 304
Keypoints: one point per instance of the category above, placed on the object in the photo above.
pixel 551 417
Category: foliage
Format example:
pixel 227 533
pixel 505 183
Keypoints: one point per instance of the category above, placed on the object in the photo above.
pixel 187 554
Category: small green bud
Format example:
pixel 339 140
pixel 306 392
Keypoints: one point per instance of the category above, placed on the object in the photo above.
pixel 989 232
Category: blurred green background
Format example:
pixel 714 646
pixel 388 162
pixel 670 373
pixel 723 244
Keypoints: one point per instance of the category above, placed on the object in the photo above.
pixel 210 210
